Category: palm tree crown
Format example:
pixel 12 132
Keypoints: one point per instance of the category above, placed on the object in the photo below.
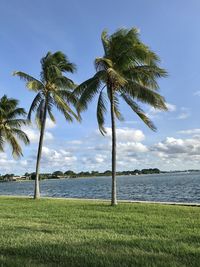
pixel 129 70
pixel 53 89
pixel 11 121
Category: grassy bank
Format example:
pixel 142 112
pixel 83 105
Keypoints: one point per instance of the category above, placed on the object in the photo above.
pixel 83 233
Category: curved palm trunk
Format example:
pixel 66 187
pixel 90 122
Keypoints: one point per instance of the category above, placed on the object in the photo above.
pixel 114 186
pixel 37 187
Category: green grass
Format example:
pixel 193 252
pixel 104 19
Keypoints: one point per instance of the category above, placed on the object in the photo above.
pixel 89 233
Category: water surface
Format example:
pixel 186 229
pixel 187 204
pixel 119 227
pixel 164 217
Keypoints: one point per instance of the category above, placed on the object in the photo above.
pixel 179 187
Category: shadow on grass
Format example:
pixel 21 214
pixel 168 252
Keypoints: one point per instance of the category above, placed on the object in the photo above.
pixel 14 261
pixel 118 253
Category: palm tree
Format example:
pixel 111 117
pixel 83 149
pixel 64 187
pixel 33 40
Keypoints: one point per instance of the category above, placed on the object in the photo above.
pixel 11 121
pixel 52 90
pixel 127 70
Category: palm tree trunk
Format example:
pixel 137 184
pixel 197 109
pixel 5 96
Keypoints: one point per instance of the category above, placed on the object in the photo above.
pixel 37 187
pixel 114 187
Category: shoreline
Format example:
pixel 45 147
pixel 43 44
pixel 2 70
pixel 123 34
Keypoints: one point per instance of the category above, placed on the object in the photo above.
pixel 170 203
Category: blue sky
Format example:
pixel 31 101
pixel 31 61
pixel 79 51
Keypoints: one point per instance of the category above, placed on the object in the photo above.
pixel 29 29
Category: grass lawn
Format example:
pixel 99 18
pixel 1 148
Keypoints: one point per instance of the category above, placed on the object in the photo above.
pixel 52 232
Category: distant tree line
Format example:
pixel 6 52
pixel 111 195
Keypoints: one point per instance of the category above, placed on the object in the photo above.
pixel 72 174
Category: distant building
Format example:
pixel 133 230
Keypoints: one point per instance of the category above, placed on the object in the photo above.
pixel 19 178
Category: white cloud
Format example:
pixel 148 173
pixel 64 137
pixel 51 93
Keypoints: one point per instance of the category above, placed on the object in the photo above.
pixel 153 113
pixel 95 152
pixel 10 165
pixel 131 147
pixel 50 124
pixel 171 145
pixel 127 134
pixel 57 158
pixel 171 107
pixel 34 133
pixel 99 158
pixel 184 112
pixel 48 136
pixel 24 162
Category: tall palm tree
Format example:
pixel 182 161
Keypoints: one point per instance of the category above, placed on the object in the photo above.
pixel 127 70
pixel 11 121
pixel 52 90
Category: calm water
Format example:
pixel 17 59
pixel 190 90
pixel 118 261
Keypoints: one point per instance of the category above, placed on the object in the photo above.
pixel 180 187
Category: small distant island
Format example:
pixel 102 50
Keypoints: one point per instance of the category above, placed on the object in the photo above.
pixel 10 177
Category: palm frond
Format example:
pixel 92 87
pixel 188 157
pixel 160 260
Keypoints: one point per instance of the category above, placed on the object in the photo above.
pixel 17 123
pixel 31 81
pixel 115 103
pixel 100 76
pixel 150 71
pixel 135 107
pixel 88 90
pixel 15 113
pixel 51 73
pixel 145 75
pixel 12 141
pixel 101 110
pixel 126 49
pixel 105 42
pixel 62 61
pixel 7 104
pixel 53 65
pixel 102 63
pixel 64 108
pixel 34 86
pixel 116 78
pixel 36 102
pixel 49 110
pixel 68 97
pixel 116 108
pixel 21 135
pixel 1 141
pixel 144 95
pixel 10 124
pixel 40 113
pixel 62 82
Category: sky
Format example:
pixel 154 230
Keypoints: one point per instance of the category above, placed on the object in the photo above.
pixel 29 29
